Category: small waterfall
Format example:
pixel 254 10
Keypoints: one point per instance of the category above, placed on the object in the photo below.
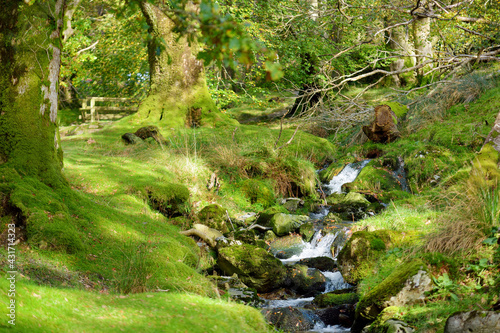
pixel 283 303
pixel 335 281
pixel 347 175
pixel 318 247
pixel 400 175
pixel 320 328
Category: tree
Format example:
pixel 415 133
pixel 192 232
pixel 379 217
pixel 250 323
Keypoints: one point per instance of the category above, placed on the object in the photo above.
pixel 31 36
pixel 178 90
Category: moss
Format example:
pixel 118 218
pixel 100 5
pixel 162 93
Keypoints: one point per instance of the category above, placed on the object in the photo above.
pixel 399 109
pixel 375 181
pixel 286 247
pixel 254 266
pixel 331 171
pixel 307 231
pixel 334 299
pixel 358 257
pixel 213 216
pixel 485 166
pixel 371 304
pixel 170 199
pixel 258 192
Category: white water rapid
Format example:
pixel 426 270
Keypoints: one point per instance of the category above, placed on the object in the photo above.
pixel 318 247
pixel 347 175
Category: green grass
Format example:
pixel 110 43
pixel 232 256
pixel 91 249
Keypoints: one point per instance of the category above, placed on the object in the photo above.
pixel 44 309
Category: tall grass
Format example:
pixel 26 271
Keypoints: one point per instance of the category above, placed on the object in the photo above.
pixel 468 220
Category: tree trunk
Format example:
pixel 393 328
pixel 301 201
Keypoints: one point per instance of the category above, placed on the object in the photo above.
pixel 178 85
pixel 422 41
pixel 30 57
pixel 400 42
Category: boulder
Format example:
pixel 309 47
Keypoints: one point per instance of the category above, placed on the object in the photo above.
pixel 307 231
pixel 150 132
pixel 383 128
pixel 352 206
pixel 283 224
pixel 292 204
pixel 305 281
pixel 342 315
pixel 473 321
pixel 170 199
pixel 213 216
pixel 324 264
pixel 131 139
pixel 289 319
pixel 286 247
pixel 255 266
pixel 386 323
pixel 410 278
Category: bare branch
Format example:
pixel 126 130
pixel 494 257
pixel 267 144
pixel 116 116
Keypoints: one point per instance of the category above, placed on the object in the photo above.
pixel 87 48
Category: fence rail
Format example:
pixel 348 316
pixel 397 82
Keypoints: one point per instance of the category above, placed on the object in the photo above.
pixel 104 111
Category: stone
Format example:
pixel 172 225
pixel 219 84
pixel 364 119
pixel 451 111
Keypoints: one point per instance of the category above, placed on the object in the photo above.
pixel 307 231
pixel 351 207
pixel 305 281
pixel 379 297
pixel 337 315
pixel 131 139
pixel 283 224
pixel 289 319
pixel 214 216
pixel 287 246
pixel 292 204
pixel 473 321
pixel 254 266
pixel 383 129
pixel 324 264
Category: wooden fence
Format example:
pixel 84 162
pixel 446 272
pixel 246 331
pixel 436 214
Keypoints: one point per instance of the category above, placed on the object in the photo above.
pixel 118 108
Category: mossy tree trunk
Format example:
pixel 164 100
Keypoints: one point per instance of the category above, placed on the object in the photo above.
pixel 30 57
pixel 179 94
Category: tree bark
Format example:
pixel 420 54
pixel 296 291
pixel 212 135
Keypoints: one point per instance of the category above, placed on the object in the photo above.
pixel 178 85
pixel 30 57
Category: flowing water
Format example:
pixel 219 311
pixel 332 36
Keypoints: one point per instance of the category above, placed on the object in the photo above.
pixel 347 175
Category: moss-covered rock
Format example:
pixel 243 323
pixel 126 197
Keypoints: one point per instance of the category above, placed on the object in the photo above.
pixel 283 224
pixel 307 231
pixel 246 236
pixel 213 216
pixel 265 216
pixel 255 266
pixel 169 199
pixel 335 299
pixel 304 280
pixel 372 303
pixel 359 254
pixel 287 246
pixel 352 206
pixel 376 181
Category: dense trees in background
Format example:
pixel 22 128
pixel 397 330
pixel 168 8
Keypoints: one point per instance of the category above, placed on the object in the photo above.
pixel 315 48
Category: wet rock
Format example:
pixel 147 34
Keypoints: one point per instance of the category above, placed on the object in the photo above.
pixel 351 207
pixel 246 296
pixel 339 241
pixel 289 319
pixel 307 231
pixel 292 204
pixel 337 315
pixel 131 139
pixel 246 236
pixel 286 247
pixel 283 224
pixel 255 266
pixel 305 281
pixel 378 298
pixel 473 321
pixel 324 264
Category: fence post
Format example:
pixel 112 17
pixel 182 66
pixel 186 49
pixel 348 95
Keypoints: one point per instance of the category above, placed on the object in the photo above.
pixel 92 110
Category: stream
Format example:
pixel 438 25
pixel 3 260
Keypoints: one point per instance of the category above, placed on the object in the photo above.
pixel 320 246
